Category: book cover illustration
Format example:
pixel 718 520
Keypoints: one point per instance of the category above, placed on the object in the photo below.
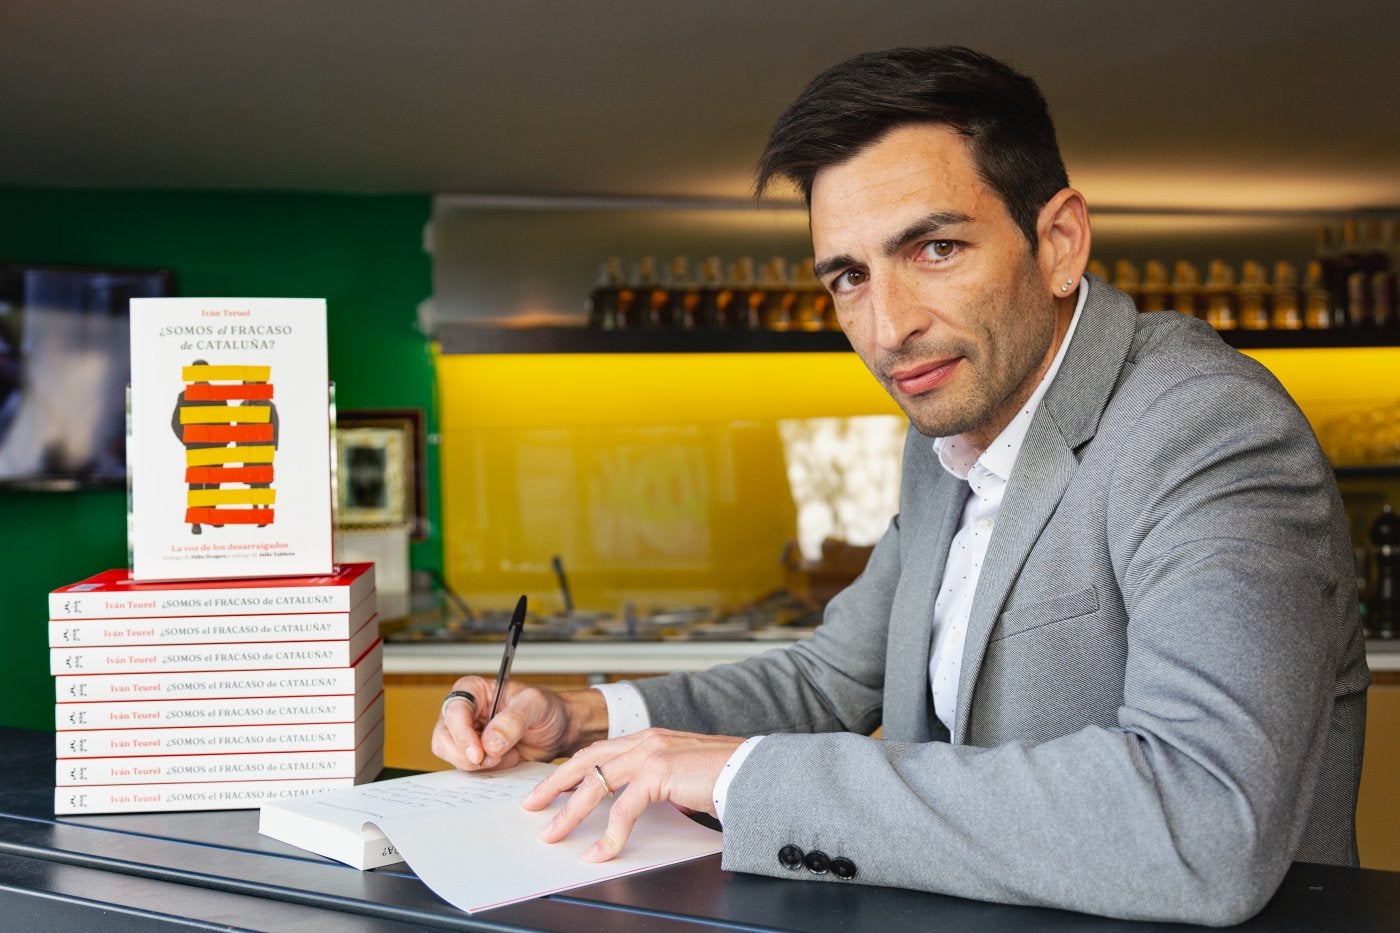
pixel 229 459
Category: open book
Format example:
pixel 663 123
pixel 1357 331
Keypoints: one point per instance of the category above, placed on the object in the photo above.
pixel 467 837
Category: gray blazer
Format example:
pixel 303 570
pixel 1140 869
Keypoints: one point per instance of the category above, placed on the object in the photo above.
pixel 1162 698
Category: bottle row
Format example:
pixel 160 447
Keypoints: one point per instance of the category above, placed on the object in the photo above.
pixel 1350 286
pixel 734 297
pixel 1353 285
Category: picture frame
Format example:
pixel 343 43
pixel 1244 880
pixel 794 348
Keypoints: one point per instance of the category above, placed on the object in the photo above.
pixel 379 469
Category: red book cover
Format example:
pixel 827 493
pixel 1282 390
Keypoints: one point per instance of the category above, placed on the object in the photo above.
pixel 239 656
pixel 207 740
pixel 216 711
pixel 209 630
pixel 203 795
pixel 112 594
pixel 182 685
pixel 224 766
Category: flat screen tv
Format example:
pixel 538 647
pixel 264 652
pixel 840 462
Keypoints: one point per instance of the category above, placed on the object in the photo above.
pixel 65 361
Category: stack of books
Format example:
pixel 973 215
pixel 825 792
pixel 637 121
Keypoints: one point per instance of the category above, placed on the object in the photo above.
pixel 214 694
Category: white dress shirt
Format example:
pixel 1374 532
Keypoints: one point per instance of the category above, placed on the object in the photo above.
pixel 987 473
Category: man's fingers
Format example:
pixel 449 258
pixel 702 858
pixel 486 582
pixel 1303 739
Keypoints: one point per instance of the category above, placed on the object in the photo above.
pixel 578 771
pixel 563 778
pixel 518 710
pixel 574 811
pixel 589 792
pixel 623 815
pixel 459 719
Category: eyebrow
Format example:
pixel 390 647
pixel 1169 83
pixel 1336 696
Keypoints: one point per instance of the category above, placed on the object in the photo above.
pixel 924 226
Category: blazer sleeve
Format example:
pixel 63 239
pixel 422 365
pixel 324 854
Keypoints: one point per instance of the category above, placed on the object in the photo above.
pixel 831 682
pixel 1225 545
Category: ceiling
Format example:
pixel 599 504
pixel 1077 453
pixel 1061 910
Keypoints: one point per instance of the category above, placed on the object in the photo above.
pixel 1285 105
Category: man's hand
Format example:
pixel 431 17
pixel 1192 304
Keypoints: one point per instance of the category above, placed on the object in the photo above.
pixel 644 768
pixel 532 724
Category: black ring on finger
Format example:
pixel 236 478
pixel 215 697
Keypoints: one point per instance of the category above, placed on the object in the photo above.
pixel 458 695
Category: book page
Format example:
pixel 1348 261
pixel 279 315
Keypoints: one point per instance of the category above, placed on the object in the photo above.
pixel 431 793
pixel 482 850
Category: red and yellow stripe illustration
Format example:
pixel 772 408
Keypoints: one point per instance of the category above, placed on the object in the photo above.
pixel 229 426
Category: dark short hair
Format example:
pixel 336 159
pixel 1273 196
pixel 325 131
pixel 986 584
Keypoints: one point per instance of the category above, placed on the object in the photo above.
pixel 856 103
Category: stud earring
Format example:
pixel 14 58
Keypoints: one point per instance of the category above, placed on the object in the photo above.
pixel 1068 283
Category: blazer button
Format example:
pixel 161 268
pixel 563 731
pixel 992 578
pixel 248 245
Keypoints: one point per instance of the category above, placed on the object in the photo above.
pixel 790 857
pixel 817 862
pixel 843 868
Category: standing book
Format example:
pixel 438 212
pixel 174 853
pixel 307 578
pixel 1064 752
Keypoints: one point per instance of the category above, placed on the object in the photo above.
pixel 230 454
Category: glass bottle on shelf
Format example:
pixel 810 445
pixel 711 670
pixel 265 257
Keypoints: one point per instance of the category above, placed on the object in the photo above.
pixel 716 296
pixel 1284 311
pixel 1333 276
pixel 1385 267
pixel 1253 292
pixel 1317 298
pixel 1097 268
pixel 1152 296
pixel 683 296
pixel 1218 291
pixel 748 294
pixel 1350 295
pixel 1186 286
pixel 652 300
pixel 779 298
pixel 807 313
pixel 604 299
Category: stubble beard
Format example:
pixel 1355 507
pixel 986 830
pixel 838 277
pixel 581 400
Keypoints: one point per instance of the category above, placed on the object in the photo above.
pixel 976 396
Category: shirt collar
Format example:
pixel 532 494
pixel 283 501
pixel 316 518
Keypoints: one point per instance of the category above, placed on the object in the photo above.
pixel 959 457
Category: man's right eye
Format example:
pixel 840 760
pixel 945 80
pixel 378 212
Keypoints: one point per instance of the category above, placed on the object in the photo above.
pixel 848 280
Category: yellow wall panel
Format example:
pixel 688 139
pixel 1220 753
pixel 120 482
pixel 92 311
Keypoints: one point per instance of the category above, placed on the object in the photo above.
pixel 658 478
pixel 661 478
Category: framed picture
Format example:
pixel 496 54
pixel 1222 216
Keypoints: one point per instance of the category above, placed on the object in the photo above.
pixel 379 469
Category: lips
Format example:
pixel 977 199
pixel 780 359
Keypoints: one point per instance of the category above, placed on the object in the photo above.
pixel 916 380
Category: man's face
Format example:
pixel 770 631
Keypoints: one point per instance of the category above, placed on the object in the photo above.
pixel 933 283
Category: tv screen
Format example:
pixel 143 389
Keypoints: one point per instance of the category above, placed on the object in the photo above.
pixel 64 366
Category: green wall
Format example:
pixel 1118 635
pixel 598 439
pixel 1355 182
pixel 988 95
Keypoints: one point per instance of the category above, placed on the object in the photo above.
pixel 362 253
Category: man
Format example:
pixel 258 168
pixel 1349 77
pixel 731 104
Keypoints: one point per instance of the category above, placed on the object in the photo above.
pixel 1111 637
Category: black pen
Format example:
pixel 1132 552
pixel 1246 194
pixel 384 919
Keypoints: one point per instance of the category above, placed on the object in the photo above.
pixel 517 624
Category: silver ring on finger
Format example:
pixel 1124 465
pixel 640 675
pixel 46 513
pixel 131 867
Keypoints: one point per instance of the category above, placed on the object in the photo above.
pixel 598 772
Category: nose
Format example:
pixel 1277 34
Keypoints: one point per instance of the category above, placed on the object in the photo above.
pixel 898 311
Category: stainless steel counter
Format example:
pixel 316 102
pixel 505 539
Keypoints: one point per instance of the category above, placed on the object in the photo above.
pixel 642 657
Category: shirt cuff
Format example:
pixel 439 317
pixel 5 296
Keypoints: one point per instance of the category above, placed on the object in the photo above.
pixel 627 711
pixel 726 775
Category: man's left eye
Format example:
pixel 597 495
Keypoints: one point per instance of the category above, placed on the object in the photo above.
pixel 939 249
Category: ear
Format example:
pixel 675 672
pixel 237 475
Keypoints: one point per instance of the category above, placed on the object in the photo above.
pixel 1063 250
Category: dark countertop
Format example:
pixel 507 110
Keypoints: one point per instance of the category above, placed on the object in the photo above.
pixel 211 870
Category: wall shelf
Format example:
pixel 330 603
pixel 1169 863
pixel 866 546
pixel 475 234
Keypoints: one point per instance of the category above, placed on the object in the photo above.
pixel 468 338
pixel 455 337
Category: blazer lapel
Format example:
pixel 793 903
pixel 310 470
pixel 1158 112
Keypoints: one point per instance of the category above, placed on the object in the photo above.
pixel 1067 418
